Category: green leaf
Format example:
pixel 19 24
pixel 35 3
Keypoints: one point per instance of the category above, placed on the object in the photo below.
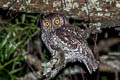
pixel 15 70
pixel 23 18
pixel 17 21
pixel 5 40
pixel 32 17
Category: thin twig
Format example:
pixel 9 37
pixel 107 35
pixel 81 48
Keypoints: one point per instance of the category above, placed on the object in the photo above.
pixel 95 45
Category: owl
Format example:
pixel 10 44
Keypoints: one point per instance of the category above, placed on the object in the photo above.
pixel 65 43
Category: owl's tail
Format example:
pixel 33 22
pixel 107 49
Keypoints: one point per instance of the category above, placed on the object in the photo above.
pixel 89 60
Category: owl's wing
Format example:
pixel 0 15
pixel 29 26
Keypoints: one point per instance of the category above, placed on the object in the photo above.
pixel 79 32
pixel 70 41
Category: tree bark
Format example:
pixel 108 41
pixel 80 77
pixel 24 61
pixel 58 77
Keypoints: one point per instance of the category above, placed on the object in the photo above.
pixel 103 13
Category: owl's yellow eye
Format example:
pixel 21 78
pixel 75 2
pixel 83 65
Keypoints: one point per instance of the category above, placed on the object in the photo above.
pixel 47 24
pixel 57 21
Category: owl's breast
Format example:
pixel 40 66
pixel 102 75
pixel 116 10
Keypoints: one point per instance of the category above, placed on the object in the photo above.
pixel 67 39
pixel 47 38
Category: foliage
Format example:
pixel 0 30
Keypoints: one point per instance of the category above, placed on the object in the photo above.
pixel 12 46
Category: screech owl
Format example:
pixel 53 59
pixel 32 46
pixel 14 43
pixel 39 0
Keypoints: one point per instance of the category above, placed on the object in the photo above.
pixel 65 43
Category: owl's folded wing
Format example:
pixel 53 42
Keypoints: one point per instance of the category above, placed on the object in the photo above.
pixel 74 45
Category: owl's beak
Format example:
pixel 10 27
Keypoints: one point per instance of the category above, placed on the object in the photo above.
pixel 52 28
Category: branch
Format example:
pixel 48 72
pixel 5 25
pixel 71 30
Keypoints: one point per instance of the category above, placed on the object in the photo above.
pixel 103 13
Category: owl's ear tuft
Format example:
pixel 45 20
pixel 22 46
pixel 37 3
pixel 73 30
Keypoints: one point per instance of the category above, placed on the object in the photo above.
pixel 39 20
pixel 66 19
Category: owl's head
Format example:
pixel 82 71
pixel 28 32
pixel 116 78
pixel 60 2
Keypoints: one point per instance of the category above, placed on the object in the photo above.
pixel 53 21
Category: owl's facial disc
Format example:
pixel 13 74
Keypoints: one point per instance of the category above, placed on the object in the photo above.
pixel 57 21
pixel 46 25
